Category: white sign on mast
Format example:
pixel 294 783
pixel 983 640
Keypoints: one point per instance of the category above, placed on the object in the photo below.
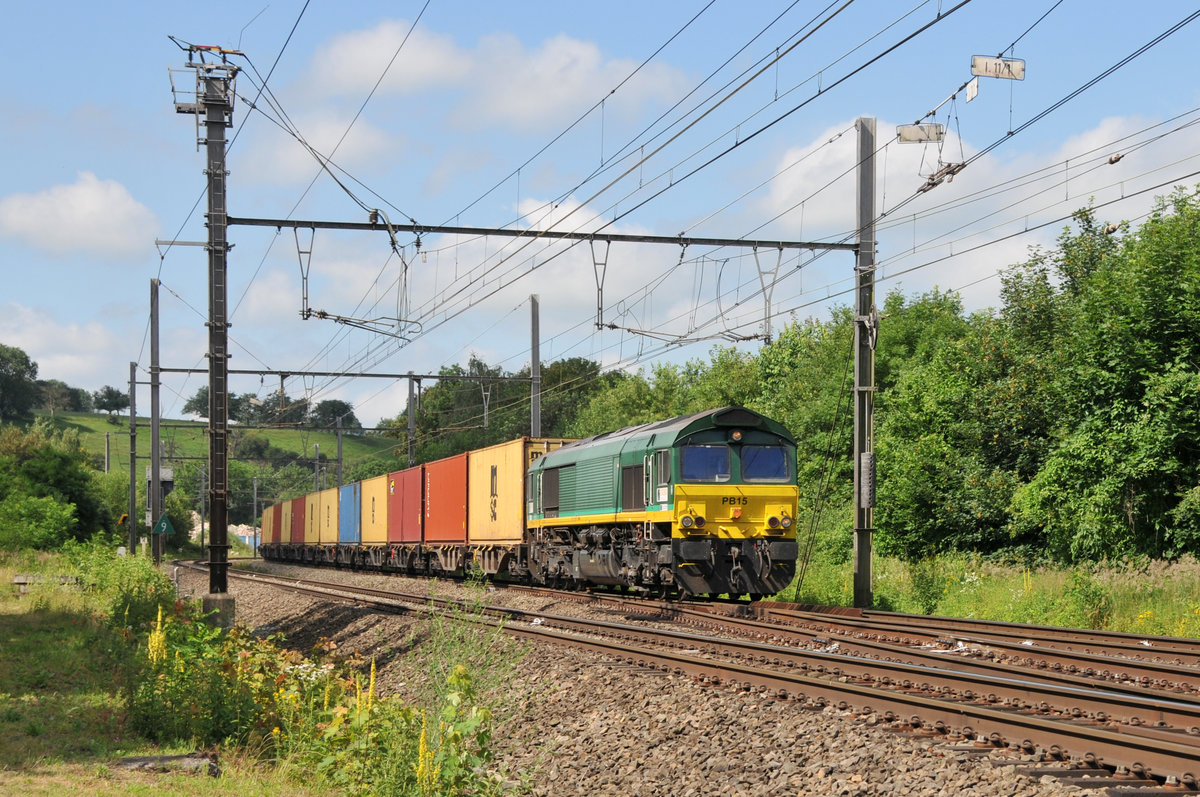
pixel 1008 68
pixel 920 134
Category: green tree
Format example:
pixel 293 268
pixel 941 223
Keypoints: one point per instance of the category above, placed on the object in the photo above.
pixel 81 400
pixel 198 404
pixel 111 400
pixel 18 384
pixel 54 395
pixel 42 463
pixel 1125 460
pixel 328 413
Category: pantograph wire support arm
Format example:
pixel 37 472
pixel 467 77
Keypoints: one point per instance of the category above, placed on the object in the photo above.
pixel 600 268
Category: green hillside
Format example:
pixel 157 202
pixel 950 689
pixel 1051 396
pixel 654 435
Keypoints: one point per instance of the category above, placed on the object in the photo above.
pixel 186 440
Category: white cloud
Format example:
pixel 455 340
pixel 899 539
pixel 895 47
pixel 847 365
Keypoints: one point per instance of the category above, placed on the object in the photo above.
pixel 960 234
pixel 285 161
pixel 95 216
pixel 499 82
pixel 272 298
pixel 79 354
pixel 352 63
pixel 525 89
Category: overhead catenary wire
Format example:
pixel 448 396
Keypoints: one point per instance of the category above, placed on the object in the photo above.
pixel 1065 99
pixel 471 302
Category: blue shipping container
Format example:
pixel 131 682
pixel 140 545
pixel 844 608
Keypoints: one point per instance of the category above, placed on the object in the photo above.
pixel 350 514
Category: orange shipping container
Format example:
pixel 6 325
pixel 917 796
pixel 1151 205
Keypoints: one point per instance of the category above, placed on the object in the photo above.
pixel 298 520
pixel 496 477
pixel 405 508
pixel 446 500
pixel 327 526
pixel 374 511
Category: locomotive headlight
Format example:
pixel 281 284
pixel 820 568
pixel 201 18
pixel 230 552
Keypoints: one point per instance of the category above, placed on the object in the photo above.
pixel 699 521
pixel 773 522
pixel 786 522
pixel 686 521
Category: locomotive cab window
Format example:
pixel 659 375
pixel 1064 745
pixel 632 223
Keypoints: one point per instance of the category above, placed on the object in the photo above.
pixel 662 468
pixel 704 463
pixel 765 464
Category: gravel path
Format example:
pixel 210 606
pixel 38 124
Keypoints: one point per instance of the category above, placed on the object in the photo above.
pixel 582 724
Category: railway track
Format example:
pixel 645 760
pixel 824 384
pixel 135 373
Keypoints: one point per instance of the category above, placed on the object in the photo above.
pixel 1107 724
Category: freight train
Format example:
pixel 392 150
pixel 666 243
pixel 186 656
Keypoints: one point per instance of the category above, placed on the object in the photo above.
pixel 700 505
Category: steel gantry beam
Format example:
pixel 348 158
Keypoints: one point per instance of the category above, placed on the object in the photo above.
pixel 423 229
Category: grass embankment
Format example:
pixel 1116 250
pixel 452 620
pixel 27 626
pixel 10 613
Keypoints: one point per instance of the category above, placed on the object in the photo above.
pixel 1144 597
pixel 112 666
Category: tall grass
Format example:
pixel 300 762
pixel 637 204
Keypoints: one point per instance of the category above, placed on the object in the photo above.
pixel 1138 595
pixel 319 721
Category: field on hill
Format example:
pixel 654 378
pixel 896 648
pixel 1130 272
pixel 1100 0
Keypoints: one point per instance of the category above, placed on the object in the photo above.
pixel 187 439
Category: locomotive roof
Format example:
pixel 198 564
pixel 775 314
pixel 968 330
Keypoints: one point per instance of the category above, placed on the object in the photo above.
pixel 673 428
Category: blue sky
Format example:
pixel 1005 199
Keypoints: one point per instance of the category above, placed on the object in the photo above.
pixel 533 114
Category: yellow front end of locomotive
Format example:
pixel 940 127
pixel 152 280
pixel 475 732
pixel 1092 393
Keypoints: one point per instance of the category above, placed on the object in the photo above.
pixel 735 511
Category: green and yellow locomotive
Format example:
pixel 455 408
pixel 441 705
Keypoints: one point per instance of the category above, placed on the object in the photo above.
pixel 701 505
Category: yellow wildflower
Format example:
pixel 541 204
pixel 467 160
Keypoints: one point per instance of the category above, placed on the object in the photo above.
pixel 371 690
pixel 156 646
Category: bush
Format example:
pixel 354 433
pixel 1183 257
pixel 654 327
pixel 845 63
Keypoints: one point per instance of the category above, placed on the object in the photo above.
pixel 333 729
pixel 38 523
pixel 202 684
pixel 130 587
pixel 320 720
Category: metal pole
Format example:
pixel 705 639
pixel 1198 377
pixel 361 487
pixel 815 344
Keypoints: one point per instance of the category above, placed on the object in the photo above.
pixel 155 497
pixel 412 422
pixel 214 99
pixel 107 450
pixel 218 105
pixel 203 489
pixel 339 438
pixel 256 518
pixel 535 369
pixel 133 479
pixel 865 330
pixel 316 467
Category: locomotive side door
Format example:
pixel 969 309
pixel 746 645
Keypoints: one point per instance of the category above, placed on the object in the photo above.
pixel 658 478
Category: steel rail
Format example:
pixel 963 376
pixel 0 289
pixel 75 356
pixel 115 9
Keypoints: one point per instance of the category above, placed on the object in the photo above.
pixel 1185 651
pixel 1136 748
pixel 1080 666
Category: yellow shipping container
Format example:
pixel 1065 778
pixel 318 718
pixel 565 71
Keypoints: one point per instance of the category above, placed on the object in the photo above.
pixel 268 526
pixel 312 513
pixel 496 488
pixel 327 525
pixel 285 522
pixel 375 511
